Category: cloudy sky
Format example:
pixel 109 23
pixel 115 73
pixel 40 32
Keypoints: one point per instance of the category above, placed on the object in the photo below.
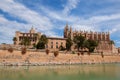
pixel 51 16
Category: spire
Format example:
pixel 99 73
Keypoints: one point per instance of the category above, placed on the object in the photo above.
pixel 70 28
pixel 66 30
pixel 32 26
pixel 66 25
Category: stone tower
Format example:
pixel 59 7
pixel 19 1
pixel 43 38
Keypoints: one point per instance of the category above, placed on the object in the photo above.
pixel 32 30
pixel 71 33
pixel 66 31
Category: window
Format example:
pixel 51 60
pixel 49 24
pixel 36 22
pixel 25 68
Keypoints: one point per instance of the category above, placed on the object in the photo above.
pixel 51 46
pixel 33 40
pixel 56 42
pixel 57 46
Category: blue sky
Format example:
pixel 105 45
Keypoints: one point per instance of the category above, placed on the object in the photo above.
pixel 51 16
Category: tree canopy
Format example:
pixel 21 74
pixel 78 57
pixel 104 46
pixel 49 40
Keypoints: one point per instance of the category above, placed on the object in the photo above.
pixel 79 40
pixel 26 41
pixel 112 42
pixel 14 39
pixel 42 42
pixel 69 43
pixel 82 42
pixel 90 44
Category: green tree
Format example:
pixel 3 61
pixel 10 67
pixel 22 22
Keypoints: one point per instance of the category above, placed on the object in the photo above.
pixel 112 42
pixel 14 40
pixel 86 44
pixel 69 43
pixel 61 48
pixel 90 44
pixel 79 40
pixel 25 41
pixel 40 45
pixel 34 45
pixel 42 42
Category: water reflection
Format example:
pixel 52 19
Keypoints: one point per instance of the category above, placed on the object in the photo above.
pixel 73 72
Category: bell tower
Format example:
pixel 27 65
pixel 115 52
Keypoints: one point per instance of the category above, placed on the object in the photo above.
pixel 66 31
pixel 71 33
pixel 32 30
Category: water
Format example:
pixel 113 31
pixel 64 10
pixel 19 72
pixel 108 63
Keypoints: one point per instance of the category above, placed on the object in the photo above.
pixel 73 72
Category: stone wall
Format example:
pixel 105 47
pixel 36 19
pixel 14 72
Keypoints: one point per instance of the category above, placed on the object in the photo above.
pixel 41 58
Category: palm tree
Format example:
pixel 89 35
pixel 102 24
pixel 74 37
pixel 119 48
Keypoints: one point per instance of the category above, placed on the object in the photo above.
pixel 14 40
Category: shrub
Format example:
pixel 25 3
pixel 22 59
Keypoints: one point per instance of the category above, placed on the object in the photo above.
pixel 102 55
pixel 40 45
pixel 78 53
pixel 56 53
pixel 10 50
pixel 82 53
pixel 47 51
pixel 73 52
pixel 23 51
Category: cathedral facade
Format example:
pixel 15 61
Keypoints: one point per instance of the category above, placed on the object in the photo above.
pixel 103 38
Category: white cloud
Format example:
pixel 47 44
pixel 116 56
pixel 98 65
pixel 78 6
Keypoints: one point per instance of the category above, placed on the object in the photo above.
pixel 8 27
pixel 79 27
pixel 71 4
pixel 22 12
pixel 63 15
pixel 104 18
pixel 117 43
pixel 59 16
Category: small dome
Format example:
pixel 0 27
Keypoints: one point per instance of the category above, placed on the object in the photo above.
pixel 32 30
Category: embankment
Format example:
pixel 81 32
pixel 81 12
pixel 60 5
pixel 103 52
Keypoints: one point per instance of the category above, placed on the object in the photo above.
pixel 41 58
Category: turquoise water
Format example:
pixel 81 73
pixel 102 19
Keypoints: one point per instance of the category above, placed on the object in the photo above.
pixel 73 72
